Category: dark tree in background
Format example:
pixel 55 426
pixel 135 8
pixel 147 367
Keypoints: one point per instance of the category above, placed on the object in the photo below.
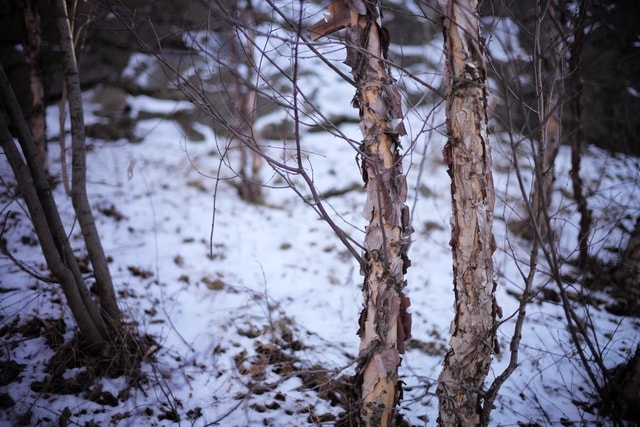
pixel 33 41
pixel 549 50
pixel 575 132
pixel 238 22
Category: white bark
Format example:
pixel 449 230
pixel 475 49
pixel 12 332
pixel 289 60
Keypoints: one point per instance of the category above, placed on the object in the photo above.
pixel 467 153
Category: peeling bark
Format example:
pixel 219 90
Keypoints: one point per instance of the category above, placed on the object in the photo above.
pixel 467 154
pixel 384 321
pixel 387 237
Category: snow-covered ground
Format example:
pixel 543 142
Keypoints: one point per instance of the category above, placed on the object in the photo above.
pixel 256 315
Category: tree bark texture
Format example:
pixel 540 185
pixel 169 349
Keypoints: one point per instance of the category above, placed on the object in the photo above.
pixel 108 302
pixel 467 154
pixel 384 323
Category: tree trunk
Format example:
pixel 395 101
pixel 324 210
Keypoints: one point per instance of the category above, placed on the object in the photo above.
pixel 548 55
pixel 37 121
pixel 58 253
pixel 627 271
pixel 238 56
pixel 384 324
pixel 467 154
pixel 245 98
pixel 384 321
pixel 574 89
pixel 108 302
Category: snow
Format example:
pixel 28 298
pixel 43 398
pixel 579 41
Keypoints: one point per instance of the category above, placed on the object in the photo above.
pixel 275 274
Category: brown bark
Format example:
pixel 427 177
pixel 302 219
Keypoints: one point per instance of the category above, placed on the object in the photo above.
pixel 384 322
pixel 37 120
pixel 467 154
pixel 104 284
pixel 382 325
pixel 574 89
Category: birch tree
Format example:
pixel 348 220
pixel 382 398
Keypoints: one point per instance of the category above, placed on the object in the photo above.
pixel 384 323
pixel 467 154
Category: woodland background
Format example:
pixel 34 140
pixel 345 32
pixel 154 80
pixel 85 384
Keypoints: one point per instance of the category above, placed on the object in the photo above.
pixel 249 316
